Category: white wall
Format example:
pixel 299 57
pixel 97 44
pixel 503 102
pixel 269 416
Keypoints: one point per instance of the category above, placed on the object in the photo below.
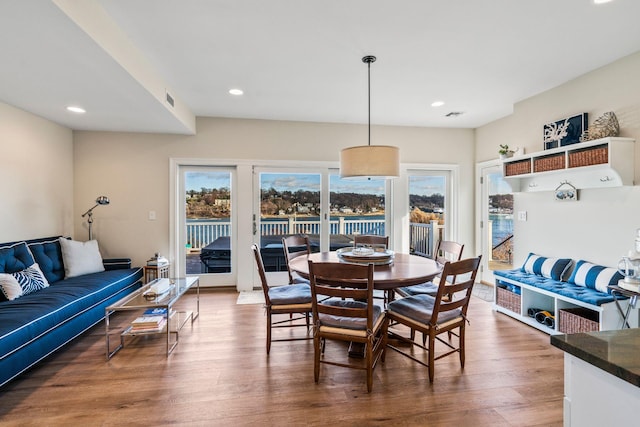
pixel 36 175
pixel 600 227
pixel 133 169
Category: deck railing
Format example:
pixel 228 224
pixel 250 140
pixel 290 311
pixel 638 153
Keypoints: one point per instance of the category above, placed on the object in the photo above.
pixel 423 237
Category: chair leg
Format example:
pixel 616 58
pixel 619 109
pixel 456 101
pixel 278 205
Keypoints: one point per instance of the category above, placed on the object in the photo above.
pixel 268 331
pixel 385 332
pixel 432 355
pixel 461 345
pixel 369 361
pixel 316 358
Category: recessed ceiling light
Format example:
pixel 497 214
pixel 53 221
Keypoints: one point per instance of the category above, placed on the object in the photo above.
pixel 437 104
pixel 601 1
pixel 74 109
pixel 236 92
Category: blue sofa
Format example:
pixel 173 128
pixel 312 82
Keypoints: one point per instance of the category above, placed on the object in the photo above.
pixel 35 325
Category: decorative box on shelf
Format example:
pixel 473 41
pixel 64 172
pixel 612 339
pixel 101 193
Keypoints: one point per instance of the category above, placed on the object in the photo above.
pixel 606 162
pixel 507 299
pixel 577 320
pixel 548 163
pixel 598 155
pixel 517 167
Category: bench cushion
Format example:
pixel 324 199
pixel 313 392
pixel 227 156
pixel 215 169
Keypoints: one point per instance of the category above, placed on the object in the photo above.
pixel 569 290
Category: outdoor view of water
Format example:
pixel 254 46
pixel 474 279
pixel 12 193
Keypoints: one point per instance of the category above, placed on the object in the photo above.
pixel 502 227
pixel 200 236
pixel 502 223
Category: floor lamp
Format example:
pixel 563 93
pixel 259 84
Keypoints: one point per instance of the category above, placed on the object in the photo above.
pixel 101 200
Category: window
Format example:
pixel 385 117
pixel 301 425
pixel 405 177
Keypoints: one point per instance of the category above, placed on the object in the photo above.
pixel 356 207
pixel 427 210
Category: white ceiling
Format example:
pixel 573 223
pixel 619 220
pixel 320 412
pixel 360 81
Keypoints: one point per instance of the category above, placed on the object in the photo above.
pixel 301 59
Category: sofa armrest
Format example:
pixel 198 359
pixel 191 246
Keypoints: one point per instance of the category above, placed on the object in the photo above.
pixel 116 263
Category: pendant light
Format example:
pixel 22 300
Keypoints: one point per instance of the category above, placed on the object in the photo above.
pixel 370 161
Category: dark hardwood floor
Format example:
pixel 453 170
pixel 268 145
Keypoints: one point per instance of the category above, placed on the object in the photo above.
pixel 220 375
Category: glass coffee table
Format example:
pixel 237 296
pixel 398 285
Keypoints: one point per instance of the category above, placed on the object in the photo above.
pixel 143 300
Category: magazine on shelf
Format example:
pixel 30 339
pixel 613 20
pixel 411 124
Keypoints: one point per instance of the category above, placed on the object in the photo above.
pixel 157 311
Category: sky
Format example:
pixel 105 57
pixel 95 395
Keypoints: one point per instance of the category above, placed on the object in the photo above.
pixel 497 185
pixel 198 180
pixel 421 185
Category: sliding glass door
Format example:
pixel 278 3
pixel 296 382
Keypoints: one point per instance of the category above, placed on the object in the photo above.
pixel 356 207
pixel 289 203
pixel 429 210
pixel 206 236
pixel 220 207
pixel 496 224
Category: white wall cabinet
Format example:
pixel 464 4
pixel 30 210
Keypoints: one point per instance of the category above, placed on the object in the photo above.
pixel 606 162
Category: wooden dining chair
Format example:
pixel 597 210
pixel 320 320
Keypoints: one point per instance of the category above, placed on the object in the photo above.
pixel 374 240
pixel 294 246
pixel 447 250
pixel 285 299
pixel 436 315
pixel 370 239
pixel 344 310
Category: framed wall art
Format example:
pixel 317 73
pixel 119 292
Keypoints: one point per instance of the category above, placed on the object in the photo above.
pixel 564 132
pixel 566 192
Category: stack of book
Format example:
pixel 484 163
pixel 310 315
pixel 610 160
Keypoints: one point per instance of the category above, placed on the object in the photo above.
pixel 152 320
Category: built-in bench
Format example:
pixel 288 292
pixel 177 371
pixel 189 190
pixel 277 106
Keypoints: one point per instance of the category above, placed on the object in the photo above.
pixel 581 303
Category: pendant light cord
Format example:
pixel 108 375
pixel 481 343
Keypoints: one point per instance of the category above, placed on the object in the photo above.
pixel 369 98
pixel 369 59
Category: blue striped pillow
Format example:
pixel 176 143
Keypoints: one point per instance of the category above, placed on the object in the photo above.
pixel 551 268
pixel 594 276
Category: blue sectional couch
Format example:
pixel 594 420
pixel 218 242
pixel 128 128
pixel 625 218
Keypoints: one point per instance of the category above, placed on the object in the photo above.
pixel 35 325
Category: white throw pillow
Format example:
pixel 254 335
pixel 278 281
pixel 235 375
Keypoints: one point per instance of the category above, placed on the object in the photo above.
pixel 10 286
pixel 80 257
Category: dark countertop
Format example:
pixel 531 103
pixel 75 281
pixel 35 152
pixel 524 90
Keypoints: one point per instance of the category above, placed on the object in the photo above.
pixel 615 352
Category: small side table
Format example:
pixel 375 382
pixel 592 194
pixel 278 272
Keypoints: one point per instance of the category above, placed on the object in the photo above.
pixel 152 272
pixel 633 299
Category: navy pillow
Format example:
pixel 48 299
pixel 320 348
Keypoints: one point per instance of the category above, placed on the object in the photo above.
pixel 551 268
pixel 15 257
pixel 48 255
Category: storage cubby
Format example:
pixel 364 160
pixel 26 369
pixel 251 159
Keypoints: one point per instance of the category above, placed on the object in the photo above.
pixel 577 316
pixel 548 163
pixel 577 320
pixel 518 167
pixel 596 155
pixel 508 300
pixel 606 162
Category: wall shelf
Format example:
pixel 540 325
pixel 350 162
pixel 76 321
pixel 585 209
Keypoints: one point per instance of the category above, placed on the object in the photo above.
pixel 606 162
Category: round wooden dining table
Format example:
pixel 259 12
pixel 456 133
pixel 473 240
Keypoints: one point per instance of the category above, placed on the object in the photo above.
pixel 405 270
